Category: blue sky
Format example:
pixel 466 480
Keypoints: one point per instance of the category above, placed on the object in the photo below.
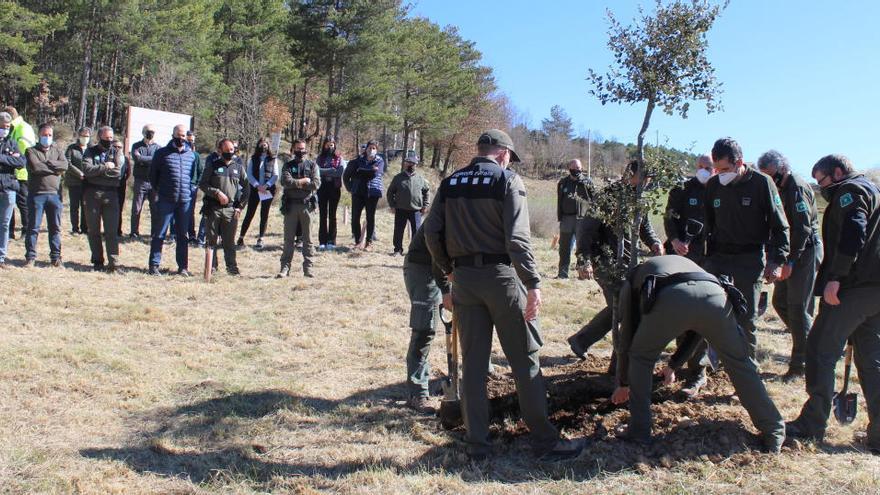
pixel 798 76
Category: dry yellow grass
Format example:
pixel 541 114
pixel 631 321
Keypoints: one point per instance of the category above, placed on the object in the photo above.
pixel 132 384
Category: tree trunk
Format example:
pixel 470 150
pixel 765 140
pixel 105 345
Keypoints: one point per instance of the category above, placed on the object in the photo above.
pixel 303 122
pixel 448 161
pixel 406 131
pixel 84 81
pixel 421 146
pixel 435 156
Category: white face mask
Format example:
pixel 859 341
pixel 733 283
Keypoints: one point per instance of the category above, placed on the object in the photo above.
pixel 84 140
pixel 703 175
pixel 4 133
pixel 372 153
pixel 727 177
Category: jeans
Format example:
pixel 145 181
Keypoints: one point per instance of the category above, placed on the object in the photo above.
pixel 21 202
pixel 358 204
pixel 7 203
pixel 401 218
pixel 328 202
pixel 166 211
pixel 37 204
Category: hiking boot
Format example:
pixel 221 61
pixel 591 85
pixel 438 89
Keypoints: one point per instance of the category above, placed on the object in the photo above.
pixel 134 236
pixel 183 272
pixel 307 273
pixel 234 271
pixel 259 244
pixel 421 405
pixel 771 443
pixel 368 247
pixel 284 272
pixel 240 242
pixel 564 450
pixel 562 276
pixel 113 270
pixel 56 263
pixel 693 386
pixel 794 430
pixel 154 271
pixel 30 264
pixel 794 372
pixel 98 267
pixel 577 348
pixel 321 247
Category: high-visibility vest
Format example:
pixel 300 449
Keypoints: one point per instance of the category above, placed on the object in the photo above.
pixel 24 136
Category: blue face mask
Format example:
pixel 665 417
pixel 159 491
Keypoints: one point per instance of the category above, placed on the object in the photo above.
pixel 4 133
pixel 45 141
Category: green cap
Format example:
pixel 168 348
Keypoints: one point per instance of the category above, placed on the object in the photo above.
pixel 498 137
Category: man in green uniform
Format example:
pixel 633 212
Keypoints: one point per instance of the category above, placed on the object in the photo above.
pixel 744 219
pixel 425 282
pixel 478 230
pixel 678 297
pixel 300 179
pixel 684 222
pixel 596 242
pixel 849 283
pixel 793 293
pixel 573 195
pixel 409 196
pixel 102 166
pixel 73 179
pixel 223 199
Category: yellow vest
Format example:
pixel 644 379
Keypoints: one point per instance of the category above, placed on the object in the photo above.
pixel 23 135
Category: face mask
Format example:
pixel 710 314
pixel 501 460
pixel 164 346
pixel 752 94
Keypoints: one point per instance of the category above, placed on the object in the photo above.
pixel 727 177
pixel 372 153
pixel 227 155
pixel 703 175
pixel 331 149
pixel 777 178
pixel 84 140
pixel 408 167
pixel 45 141
pixel 575 173
pixel 149 134
pixel 299 154
pixel 179 142
pixel 4 133
pixel 106 143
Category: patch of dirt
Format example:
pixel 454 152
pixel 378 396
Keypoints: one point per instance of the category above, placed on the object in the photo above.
pixel 712 428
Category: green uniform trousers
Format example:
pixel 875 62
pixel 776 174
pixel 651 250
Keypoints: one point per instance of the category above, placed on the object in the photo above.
pixel 794 302
pixel 221 224
pixel 746 271
pixel 102 205
pixel 493 295
pixel 857 318
pixel 297 217
pixel 567 228
pixel 425 298
pixel 703 308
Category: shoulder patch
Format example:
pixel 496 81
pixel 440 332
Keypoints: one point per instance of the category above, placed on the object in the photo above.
pixel 716 203
pixel 522 193
pixel 846 200
pixel 777 200
pixel 801 206
pixel 692 201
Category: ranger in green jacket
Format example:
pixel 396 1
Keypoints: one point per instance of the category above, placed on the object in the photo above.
pixel 73 179
pixel 223 198
pixel 744 219
pixel 102 167
pixel 300 179
pixel 793 293
pixel 574 193
pixel 409 196
pixel 849 283
pixel 680 296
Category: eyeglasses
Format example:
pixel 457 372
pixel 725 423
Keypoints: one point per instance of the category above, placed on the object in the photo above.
pixel 820 181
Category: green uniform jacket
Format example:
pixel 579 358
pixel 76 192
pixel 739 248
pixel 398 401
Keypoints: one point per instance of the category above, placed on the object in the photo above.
pixel 96 171
pixel 482 209
pixel 799 204
pixel 573 196
pixel 45 166
pixel 295 170
pixel 409 192
pixel 226 178
pixel 851 235
pixel 74 174
pixel 746 216
pixel 686 201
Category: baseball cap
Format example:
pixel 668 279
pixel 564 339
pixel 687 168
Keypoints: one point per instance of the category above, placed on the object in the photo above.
pixel 496 137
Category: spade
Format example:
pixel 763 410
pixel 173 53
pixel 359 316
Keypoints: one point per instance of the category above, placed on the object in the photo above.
pixel 846 404
pixel 450 406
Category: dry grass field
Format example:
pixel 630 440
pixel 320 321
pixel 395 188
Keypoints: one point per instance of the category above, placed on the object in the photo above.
pixel 133 384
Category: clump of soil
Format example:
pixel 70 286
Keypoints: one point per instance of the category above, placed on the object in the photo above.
pixel 713 427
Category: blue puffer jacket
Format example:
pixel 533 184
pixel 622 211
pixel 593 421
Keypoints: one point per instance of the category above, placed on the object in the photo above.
pixel 171 173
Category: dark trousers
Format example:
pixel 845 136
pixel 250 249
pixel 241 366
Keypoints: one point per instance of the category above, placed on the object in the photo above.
pixel 358 205
pixel 599 326
pixel 265 208
pixel 191 234
pixel 328 201
pixel 220 225
pixel 746 270
pixel 166 211
pixel 121 195
pixel 102 206
pixel 567 228
pixel 794 302
pixel 21 201
pixel 77 209
pixel 401 218
pixel 425 298
pixel 142 192
pixel 37 204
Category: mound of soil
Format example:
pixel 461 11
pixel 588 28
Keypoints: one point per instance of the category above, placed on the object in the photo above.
pixel 713 427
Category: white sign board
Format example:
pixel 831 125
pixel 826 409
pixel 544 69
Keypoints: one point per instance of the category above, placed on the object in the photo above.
pixel 163 122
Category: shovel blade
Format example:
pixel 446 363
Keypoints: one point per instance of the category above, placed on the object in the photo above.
pixel 845 407
pixel 450 414
pixel 762 303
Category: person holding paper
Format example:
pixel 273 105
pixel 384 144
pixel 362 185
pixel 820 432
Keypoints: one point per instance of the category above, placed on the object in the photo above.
pixel 262 174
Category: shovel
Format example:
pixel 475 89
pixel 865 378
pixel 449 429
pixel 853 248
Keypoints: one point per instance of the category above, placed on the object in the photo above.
pixel 762 303
pixel 845 404
pixel 450 406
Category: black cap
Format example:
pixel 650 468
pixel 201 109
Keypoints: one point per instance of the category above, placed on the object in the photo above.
pixel 496 137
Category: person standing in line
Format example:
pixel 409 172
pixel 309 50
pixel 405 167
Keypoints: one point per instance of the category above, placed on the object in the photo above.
pixel 102 165
pixel 363 179
pixel 300 179
pixel 262 175
pixel 10 161
pixel 409 197
pixel 73 179
pixel 573 196
pixel 331 166
pixel 46 164
pixel 142 154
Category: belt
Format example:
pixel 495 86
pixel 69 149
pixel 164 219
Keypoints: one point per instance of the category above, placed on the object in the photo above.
pixel 419 258
pixel 100 188
pixel 737 248
pixel 481 259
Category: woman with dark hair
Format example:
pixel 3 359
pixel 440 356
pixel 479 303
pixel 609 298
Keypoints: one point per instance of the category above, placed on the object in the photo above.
pixel 331 165
pixel 262 172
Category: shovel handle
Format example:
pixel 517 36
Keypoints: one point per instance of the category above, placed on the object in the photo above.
pixel 847 368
